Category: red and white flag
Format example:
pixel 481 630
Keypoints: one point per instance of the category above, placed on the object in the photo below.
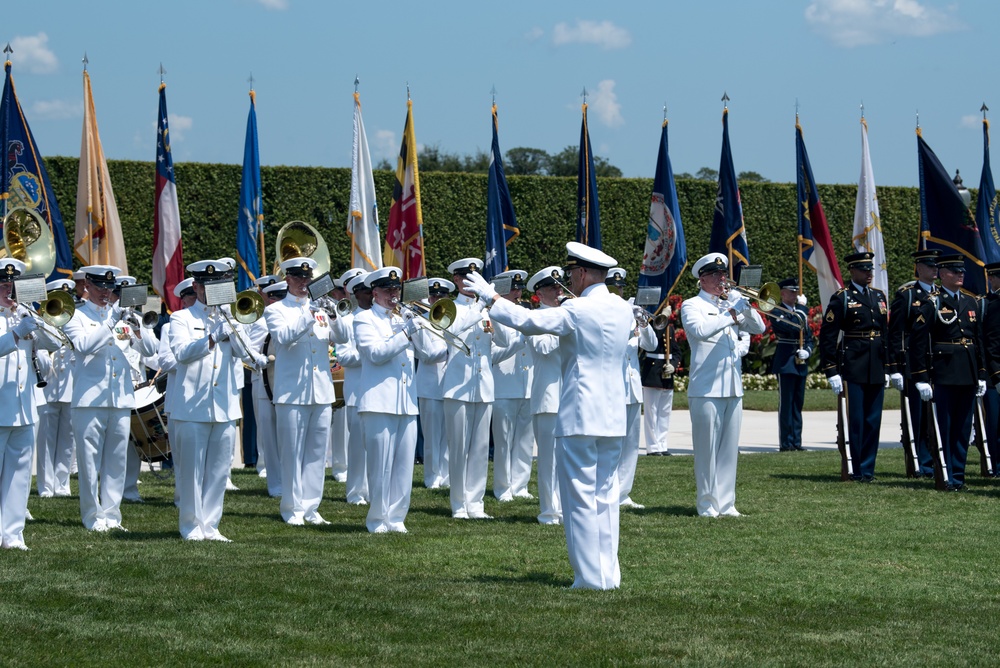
pixel 168 259
pixel 404 236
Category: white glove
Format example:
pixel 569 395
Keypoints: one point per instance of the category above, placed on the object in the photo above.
pixel 24 328
pixel 887 381
pixel 132 319
pixel 897 381
pixel 981 388
pixel 926 393
pixel 477 284
pixel 836 384
pixel 801 300
pixel 221 331
pixel 741 305
pixel 407 314
pixel 261 361
pixel 802 354
pixel 410 325
pixel 631 301
pixel 669 369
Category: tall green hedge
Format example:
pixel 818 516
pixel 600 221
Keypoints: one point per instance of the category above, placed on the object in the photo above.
pixel 454 212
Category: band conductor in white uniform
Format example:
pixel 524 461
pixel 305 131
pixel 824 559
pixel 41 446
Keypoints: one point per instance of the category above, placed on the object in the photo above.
pixel 594 330
pixel 714 321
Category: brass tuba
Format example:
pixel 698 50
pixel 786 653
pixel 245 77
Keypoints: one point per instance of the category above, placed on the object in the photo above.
pixel 300 239
pixel 27 237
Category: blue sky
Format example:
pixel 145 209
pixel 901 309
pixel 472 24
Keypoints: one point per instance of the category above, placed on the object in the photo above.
pixel 898 57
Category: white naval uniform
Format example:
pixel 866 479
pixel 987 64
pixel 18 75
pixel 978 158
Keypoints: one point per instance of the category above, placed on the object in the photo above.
pixel 203 422
pixel 593 332
pixel 645 337
pixel 715 397
pixel 349 358
pixel 303 403
pixel 263 411
pixel 55 433
pixel 387 403
pixel 513 438
pixel 133 462
pixel 18 416
pixel 431 407
pixel 546 384
pixel 102 400
pixel 467 388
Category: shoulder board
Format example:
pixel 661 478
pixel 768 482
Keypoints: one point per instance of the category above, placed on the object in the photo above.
pixel 878 290
pixel 840 291
pixel 906 286
pixel 969 293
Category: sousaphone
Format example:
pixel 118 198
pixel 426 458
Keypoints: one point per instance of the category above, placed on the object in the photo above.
pixel 300 239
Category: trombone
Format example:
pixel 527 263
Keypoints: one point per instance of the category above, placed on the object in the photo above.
pixel 248 308
pixel 53 314
pixel 440 315
pixel 768 298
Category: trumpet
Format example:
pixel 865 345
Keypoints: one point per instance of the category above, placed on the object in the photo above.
pixel 333 309
pixel 248 308
pixel 440 315
pixel 644 318
pixel 768 298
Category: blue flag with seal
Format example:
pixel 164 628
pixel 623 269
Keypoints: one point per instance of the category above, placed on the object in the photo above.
pixel 987 205
pixel 250 224
pixel 501 225
pixel 945 221
pixel 24 183
pixel 665 255
pixel 588 226
pixel 728 233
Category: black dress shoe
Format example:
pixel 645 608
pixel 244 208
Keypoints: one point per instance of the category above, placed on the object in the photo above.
pixel 867 478
pixel 799 448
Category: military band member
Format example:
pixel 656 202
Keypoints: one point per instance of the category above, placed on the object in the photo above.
pixel 19 336
pixel 336 457
pixel 791 365
pixel 256 333
pixel 513 438
pixel 947 363
pixel 902 313
pixel 593 330
pixel 657 369
pixel 546 387
pixel 103 397
pixel 387 401
pixel 991 340
pixel 350 359
pixel 303 393
pixel 203 425
pixel 268 451
pixel 854 355
pixel 716 323
pixel 168 363
pixel 642 336
pixel 55 434
pixel 468 392
pixel 430 401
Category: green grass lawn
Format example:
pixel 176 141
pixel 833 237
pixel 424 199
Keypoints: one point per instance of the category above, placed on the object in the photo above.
pixel 817 573
pixel 816 400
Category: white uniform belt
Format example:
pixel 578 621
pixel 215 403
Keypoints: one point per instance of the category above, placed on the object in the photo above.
pixel 655 356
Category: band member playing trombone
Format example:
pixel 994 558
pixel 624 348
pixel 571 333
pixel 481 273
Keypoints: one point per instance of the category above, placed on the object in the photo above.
pixel 714 321
pixel 19 334
pixel 853 346
pixel 791 364
pixel 431 403
pixel 303 393
pixel 593 332
pixel 388 340
pixel 947 364
pixel 103 397
pixel 203 425
pixel 268 451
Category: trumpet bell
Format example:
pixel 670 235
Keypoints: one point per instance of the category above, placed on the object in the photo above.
pixel 58 308
pixel 248 307
pixel 149 319
pixel 443 313
pixel 768 297
pixel 344 307
pixel 27 237
pixel 300 239
pixel 660 322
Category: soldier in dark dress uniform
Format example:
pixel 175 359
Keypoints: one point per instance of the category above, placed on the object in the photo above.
pixel 990 304
pixel 791 365
pixel 946 363
pixel 657 373
pixel 858 362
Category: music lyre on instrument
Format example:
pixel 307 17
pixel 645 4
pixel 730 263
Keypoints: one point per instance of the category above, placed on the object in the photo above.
pixel 57 307
pixel 647 296
pixel 440 315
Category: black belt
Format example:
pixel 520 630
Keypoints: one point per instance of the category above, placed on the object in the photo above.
pixel 792 341
pixel 870 334
pixel 956 342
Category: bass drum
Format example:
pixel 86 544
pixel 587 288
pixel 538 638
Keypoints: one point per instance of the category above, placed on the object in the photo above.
pixel 268 375
pixel 149 428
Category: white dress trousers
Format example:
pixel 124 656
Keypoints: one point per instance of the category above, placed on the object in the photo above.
pixel 349 358
pixel 658 404
pixel 56 449
pixel 513 437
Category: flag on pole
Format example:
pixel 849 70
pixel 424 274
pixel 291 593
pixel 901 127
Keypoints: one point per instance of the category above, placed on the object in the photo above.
pixel 404 236
pixel 815 246
pixel 23 179
pixel 98 227
pixel 168 260
pixel 945 220
pixel 729 235
pixel 987 205
pixel 588 227
pixel 362 219
pixel 501 224
pixel 665 256
pixel 250 220
pixel 867 223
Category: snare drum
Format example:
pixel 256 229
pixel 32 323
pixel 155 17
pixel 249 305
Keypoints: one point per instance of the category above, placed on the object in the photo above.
pixel 149 425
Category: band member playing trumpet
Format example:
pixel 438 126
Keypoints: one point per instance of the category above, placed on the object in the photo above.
pixel 303 393
pixel 348 357
pixel 18 414
pixel 715 320
pixel 203 425
pixel 431 403
pixel 387 341
pixel 103 397
pixel 791 365
pixel 263 409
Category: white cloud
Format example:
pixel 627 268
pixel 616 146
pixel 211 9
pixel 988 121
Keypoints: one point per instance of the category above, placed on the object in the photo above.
pixel 971 121
pixel 604 34
pixel 604 103
pixel 535 34
pixel 33 54
pixel 850 23
pixel 56 110
pixel 386 145
pixel 277 5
